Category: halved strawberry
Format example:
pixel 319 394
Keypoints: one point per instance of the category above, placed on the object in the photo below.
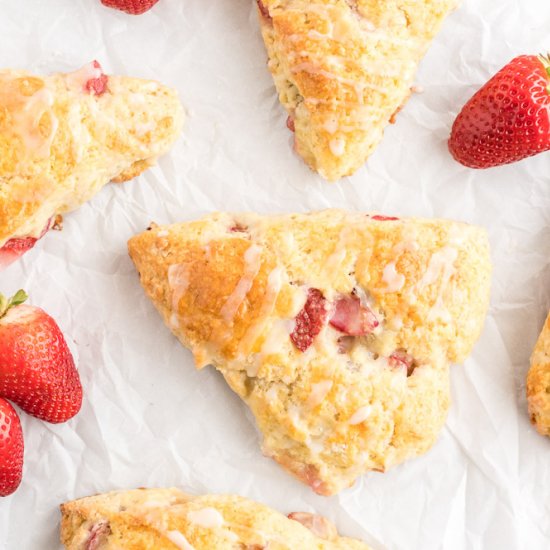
pixel 37 370
pixel 310 320
pixel 353 318
pixel 11 449
pixel 508 119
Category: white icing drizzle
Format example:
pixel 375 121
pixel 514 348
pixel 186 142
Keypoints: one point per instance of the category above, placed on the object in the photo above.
pixel 337 146
pixel 331 126
pixel 360 415
pixel 142 129
pixel 359 86
pixel 271 394
pixel 393 279
pixel 26 122
pixel 178 538
pixel 318 393
pixel 295 416
pixel 81 135
pixel 279 332
pixel 271 344
pixel 136 99
pixel 252 264
pixel 316 446
pixel 441 261
pixel 174 321
pixel 334 261
pixel 407 245
pixel 441 264
pixel 178 280
pixel 209 518
pixel 157 503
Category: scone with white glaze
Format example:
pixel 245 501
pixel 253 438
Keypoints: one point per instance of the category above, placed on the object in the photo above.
pixel 167 519
pixel 337 329
pixel 538 382
pixel 344 68
pixel 64 136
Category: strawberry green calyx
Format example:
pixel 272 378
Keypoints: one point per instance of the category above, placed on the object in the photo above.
pixel 6 303
pixel 545 60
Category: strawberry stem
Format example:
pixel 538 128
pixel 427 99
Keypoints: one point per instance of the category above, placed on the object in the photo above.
pixel 6 303
pixel 545 60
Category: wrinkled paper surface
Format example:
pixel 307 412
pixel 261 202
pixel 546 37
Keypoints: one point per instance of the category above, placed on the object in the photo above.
pixel 148 418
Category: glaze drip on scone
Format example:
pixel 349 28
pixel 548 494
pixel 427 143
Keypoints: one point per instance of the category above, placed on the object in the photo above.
pixel 343 69
pixel 64 136
pixel 163 518
pixel 343 361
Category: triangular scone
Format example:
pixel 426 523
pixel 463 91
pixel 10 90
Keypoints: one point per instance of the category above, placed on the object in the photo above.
pixel 538 382
pixel 64 136
pixel 343 68
pixel 164 519
pixel 336 328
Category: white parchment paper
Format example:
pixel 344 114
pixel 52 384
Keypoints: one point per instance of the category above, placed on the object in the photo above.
pixel 149 419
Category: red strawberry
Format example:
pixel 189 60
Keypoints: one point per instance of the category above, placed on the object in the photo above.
pixel 508 119
pixel 97 85
pixel 310 320
pixel 15 248
pixel 37 369
pixel 353 318
pixel 11 449
pixel 133 7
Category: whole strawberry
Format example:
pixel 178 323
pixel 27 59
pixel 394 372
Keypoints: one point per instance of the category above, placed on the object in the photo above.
pixel 508 119
pixel 37 370
pixel 133 7
pixel 11 449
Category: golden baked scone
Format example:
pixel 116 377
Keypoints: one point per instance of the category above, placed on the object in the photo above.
pixel 336 328
pixel 166 519
pixel 343 68
pixel 538 382
pixel 64 136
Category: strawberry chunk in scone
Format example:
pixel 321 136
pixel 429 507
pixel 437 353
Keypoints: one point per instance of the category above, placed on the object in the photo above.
pixel 15 248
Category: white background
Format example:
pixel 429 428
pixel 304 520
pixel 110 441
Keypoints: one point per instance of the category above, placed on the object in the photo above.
pixel 149 419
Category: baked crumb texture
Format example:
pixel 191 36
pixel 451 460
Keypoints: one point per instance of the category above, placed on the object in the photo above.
pixel 61 141
pixel 344 68
pixel 538 382
pixel 166 519
pixel 397 301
